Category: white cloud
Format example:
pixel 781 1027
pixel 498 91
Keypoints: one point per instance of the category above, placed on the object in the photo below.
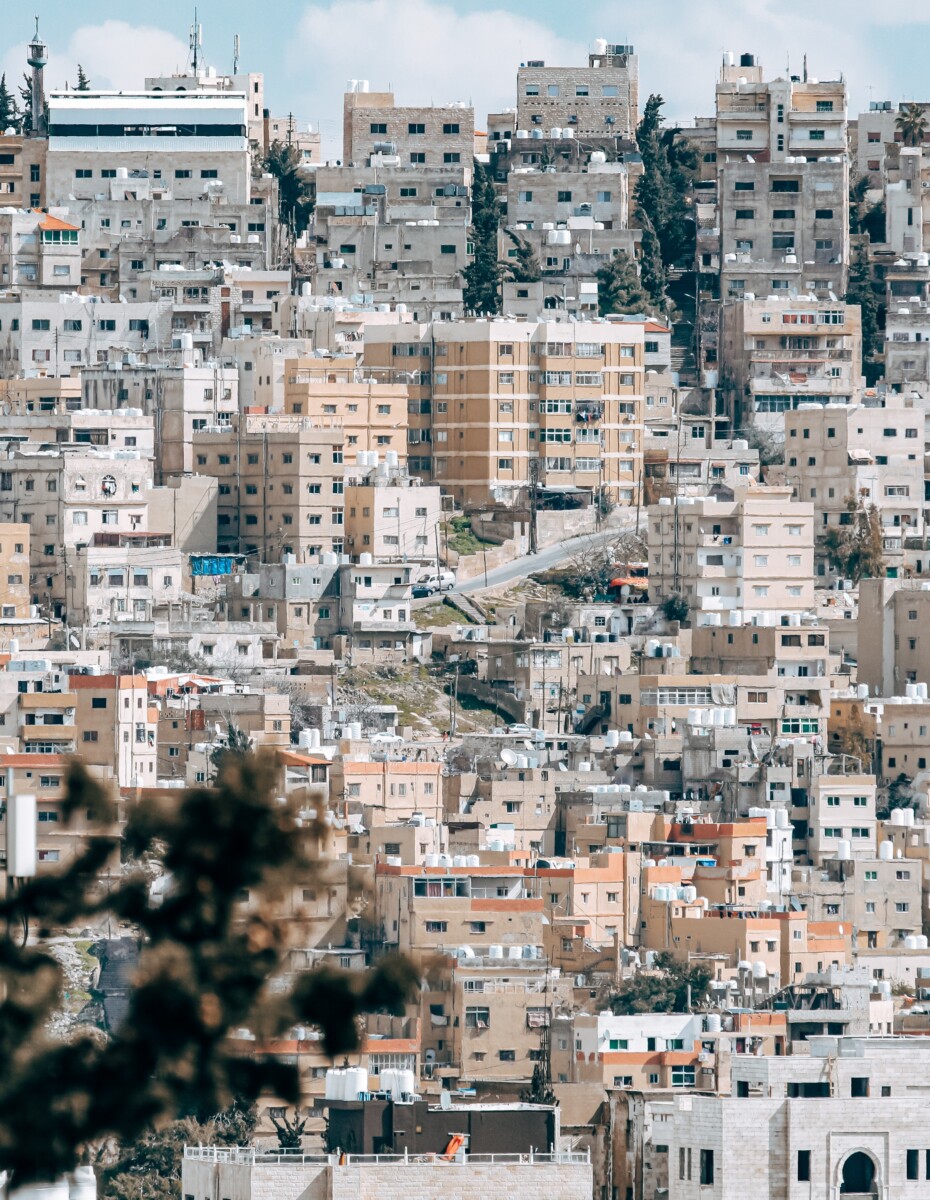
pixel 680 46
pixel 114 54
pixel 423 50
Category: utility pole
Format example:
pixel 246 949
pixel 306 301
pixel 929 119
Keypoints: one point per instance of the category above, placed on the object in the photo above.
pixel 533 470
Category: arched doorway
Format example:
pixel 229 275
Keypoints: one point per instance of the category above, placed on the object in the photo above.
pixel 858 1178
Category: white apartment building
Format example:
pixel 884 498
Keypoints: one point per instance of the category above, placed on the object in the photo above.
pixel 197 141
pixel 53 333
pixel 868 453
pixel 67 496
pixel 749 555
pixel 841 821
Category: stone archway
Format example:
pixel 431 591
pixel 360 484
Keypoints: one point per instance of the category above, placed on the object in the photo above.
pixel 858 1175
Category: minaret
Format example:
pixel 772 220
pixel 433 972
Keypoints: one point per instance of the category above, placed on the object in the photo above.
pixel 38 57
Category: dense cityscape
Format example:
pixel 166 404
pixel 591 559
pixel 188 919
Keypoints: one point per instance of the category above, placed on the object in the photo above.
pixel 351 509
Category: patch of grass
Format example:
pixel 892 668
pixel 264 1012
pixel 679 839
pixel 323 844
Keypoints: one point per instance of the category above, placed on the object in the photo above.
pixel 439 615
pixel 463 539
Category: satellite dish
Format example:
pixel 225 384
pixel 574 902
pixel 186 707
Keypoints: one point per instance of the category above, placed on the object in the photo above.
pixel 445 1100
pixel 509 757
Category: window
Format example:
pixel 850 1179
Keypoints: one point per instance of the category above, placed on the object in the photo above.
pixel 682 1076
pixel 707 1167
pixel 416 128
pixel 745 214
pixel 804 1166
pixel 378 127
pixel 477 1018
pixel 437 926
pixel 913 1164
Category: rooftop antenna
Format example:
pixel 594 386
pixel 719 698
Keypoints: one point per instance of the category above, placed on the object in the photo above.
pixel 196 42
pixel 236 54
pixel 805 68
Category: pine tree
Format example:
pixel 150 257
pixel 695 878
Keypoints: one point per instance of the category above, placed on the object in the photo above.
pixel 525 267
pixel 483 274
pixel 25 93
pixel 620 289
pixel 861 290
pixel 652 270
pixel 83 83
pixel 9 112
pixel 662 194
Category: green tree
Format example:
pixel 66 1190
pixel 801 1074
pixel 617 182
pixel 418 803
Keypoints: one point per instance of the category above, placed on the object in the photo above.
pixel 652 271
pixel 675 608
pixel 9 113
pixel 294 188
pixel 672 987
pixel 663 193
pixel 234 743
pixel 149 1167
pixel 483 274
pixel 204 970
pixel 911 124
pixel 524 268
pixel 25 94
pixel 900 795
pixel 83 83
pixel 289 1130
pixel 861 290
pixel 856 547
pixel 620 289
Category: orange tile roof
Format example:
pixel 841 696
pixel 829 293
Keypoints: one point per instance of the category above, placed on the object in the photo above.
pixel 50 222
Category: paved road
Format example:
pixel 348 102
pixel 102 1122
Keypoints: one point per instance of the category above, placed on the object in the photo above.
pixel 551 556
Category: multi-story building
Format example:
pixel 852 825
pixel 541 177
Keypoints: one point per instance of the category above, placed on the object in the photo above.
pixel 783 182
pixel 68 495
pixel 22 170
pixel 894 652
pixel 599 99
pixel 14 573
pixel 838 457
pixel 53 333
pixel 780 352
pixel 752 554
pixel 178 401
pixel 39 249
pixel 433 135
pixel 391 516
pixel 506 410
pixel 281 485
pixel 369 404
pixel 94 136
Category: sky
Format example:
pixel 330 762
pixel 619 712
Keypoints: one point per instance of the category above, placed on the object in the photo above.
pixel 443 50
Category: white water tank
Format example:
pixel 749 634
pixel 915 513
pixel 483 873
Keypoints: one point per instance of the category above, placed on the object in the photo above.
pixel 886 852
pixel 612 738
pixel 759 969
pixel 688 894
pixel 431 860
pixel 910 942
pixel 21 851
pixel 495 951
pixel 844 850
pixel 713 1023
pixel 472 860
pixel 781 818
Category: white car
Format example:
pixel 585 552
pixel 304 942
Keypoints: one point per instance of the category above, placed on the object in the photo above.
pixel 439 583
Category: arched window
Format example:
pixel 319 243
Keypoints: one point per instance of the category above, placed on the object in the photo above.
pixel 858 1176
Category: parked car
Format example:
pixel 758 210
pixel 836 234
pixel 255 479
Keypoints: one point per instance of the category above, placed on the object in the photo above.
pixel 442 582
pixel 420 590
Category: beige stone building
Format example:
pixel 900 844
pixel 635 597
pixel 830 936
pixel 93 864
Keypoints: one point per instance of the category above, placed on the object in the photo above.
pixel 842 823
pixel 894 649
pixel 783 351
pixel 503 409
pixel 599 99
pixel 869 454
pixel 14 573
pixel 281 485
pixel 433 135
pixel 369 405
pixel 749 555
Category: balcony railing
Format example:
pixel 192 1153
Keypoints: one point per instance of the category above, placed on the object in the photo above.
pixel 249 1156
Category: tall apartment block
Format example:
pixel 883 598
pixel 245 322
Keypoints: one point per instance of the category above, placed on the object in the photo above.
pixel 518 412
pixel 782 189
